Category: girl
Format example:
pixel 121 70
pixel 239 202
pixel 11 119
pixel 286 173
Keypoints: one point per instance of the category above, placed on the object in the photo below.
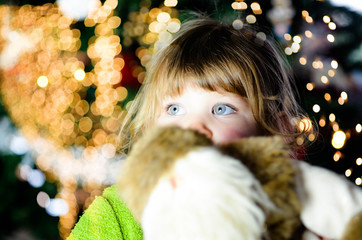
pixel 222 82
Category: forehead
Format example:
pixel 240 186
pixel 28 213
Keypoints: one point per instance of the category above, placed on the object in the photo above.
pixel 193 93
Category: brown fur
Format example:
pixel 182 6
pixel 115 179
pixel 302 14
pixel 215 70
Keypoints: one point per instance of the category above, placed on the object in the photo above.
pixel 268 159
pixel 151 158
pixel 354 228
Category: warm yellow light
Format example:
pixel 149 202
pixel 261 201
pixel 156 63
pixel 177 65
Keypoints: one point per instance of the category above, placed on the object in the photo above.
pixel 255 6
pixel 340 101
pixel 170 3
pixel 305 13
pixel 79 74
pixel 297 39
pixel 331 73
pixel 330 38
pixel 173 26
pixel 305 125
pixel 322 122
pixel 358 128
pixel 163 17
pixel 344 96
pixel 317 64
pixel 358 181
pixel 85 124
pixel 308 34
pixel 359 161
pixel 287 37
pixel 310 86
pixel 324 80
pixel 327 97
pixel 348 172
pixel 337 156
pixel 316 108
pixel 251 19
pixel 334 64
pixel 311 137
pixel 326 19
pixel 332 117
pixel 309 19
pixel 303 60
pixel 332 26
pixel 338 139
pixel 42 81
pixel 335 126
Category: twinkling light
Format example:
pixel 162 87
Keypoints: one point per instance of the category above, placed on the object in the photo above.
pixel 344 96
pixel 255 6
pixel 358 128
pixel 239 5
pixel 331 73
pixel 287 37
pixel 332 117
pixel 310 86
pixel 334 64
pixel 326 19
pixel 251 19
pixel 332 26
pixel 303 61
pixel 324 79
pixel 79 74
pixel 337 155
pixel 316 108
pixel 42 81
pixel 359 161
pixel 170 3
pixel 52 107
pixel 297 39
pixel 305 125
pixel 308 34
pixel 311 137
pixel 327 97
pixel 358 181
pixel 322 122
pixel 338 139
pixel 348 172
pixel 330 38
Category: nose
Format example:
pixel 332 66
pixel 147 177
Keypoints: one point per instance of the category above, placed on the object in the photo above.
pixel 198 125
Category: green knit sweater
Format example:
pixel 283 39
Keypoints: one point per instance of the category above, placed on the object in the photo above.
pixel 107 218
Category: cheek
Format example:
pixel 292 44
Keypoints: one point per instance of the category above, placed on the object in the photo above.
pixel 229 134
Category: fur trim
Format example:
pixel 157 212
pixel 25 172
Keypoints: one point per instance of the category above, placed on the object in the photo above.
pixel 151 158
pixel 268 159
pixel 208 196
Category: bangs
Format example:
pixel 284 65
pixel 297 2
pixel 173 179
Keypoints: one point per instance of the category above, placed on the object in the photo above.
pixel 212 73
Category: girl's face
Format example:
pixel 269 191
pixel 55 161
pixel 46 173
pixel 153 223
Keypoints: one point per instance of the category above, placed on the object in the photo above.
pixel 221 116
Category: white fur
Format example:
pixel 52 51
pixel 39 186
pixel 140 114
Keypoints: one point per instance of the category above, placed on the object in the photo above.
pixel 328 200
pixel 215 198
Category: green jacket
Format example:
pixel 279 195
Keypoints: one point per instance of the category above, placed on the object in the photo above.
pixel 107 218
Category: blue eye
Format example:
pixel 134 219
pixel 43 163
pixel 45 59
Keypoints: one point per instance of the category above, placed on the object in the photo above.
pixel 175 110
pixel 222 109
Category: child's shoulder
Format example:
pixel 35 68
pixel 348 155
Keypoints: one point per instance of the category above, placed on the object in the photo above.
pixel 107 218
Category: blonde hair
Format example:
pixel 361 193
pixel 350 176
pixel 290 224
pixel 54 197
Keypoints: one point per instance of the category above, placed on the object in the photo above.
pixel 217 57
